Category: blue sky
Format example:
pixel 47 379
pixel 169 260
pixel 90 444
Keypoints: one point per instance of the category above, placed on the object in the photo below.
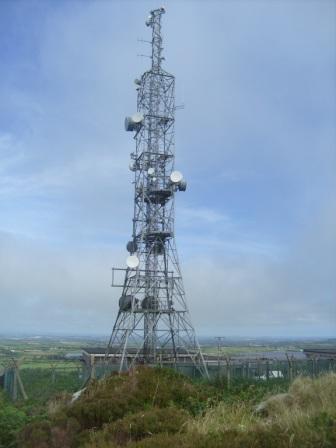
pixel 256 141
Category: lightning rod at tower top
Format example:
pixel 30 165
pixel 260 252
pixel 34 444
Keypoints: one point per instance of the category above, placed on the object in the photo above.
pixel 153 324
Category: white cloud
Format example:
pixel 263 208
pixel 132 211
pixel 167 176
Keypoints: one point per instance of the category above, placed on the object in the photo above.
pixel 256 142
pixel 201 215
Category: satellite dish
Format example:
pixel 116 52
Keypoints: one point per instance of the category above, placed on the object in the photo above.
pixel 182 186
pixel 132 247
pixel 149 20
pixel 126 302
pixel 151 171
pixel 150 302
pixel 132 261
pixel 137 117
pixel 176 177
pixel 132 123
pixel 128 124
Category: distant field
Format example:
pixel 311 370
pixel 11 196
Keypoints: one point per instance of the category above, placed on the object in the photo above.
pixel 231 348
pixel 39 352
pixel 43 353
pixel 213 350
pixel 59 364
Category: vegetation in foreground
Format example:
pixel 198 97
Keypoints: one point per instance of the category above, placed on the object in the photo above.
pixel 160 408
pixel 12 420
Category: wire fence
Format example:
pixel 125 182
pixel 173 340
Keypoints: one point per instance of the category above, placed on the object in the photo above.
pixel 266 369
pixel 42 383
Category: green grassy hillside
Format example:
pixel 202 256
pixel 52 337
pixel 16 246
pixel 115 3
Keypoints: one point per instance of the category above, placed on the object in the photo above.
pixel 160 408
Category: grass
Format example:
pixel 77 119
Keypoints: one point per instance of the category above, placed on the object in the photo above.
pixel 305 416
pixel 160 408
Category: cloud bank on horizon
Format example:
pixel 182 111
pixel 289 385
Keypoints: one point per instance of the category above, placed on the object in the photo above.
pixel 256 229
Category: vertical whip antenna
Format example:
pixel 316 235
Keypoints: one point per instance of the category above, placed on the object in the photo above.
pixel 154 21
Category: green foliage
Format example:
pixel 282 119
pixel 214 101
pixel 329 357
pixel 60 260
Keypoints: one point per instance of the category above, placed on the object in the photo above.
pixel 11 421
pixel 40 384
pixel 248 390
pixel 36 435
pixel 193 440
pixel 159 408
pixel 118 395
pixel 152 392
pixel 140 425
pixel 47 434
pixel 40 388
pixel 304 418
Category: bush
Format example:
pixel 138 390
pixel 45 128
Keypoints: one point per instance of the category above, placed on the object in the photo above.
pixel 36 435
pixel 140 425
pixel 48 434
pixel 12 421
pixel 112 398
pixel 158 408
pixel 248 390
pixel 152 392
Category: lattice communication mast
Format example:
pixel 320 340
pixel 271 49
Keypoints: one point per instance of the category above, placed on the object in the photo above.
pixel 153 324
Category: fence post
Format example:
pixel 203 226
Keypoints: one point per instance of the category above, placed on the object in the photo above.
pixel 228 372
pixel 314 367
pixel 93 368
pixel 53 373
pixel 14 391
pixel 267 370
pixel 290 369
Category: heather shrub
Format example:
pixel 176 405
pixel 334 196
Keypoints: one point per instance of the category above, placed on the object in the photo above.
pixel 158 408
pixel 36 435
pixel 114 397
pixel 143 402
pixel 248 390
pixel 140 425
pixel 12 420
pixel 231 439
pixel 49 434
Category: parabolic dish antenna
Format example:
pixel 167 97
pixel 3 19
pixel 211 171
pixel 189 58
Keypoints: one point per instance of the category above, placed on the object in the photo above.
pixel 133 123
pixel 151 171
pixel 176 177
pixel 149 20
pixel 132 261
pixel 132 247
pixel 137 117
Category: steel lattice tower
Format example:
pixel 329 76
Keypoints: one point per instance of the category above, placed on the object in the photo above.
pixel 153 323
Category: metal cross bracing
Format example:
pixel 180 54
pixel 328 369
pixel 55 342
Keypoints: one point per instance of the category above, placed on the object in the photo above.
pixel 153 322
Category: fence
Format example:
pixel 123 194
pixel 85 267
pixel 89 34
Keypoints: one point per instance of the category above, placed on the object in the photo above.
pixel 265 369
pixel 41 383
pixel 253 369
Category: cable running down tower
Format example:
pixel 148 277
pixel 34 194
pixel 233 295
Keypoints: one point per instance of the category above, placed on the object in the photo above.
pixel 153 324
